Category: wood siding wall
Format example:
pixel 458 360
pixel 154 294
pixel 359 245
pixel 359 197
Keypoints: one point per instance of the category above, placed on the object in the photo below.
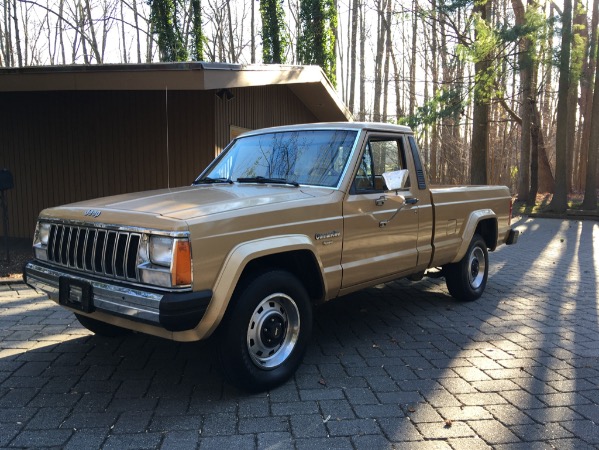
pixel 258 107
pixel 64 147
pixel 69 146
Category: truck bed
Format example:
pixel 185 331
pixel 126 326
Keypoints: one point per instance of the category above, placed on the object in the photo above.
pixel 453 206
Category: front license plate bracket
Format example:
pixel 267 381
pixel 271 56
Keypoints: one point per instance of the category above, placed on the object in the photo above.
pixel 76 294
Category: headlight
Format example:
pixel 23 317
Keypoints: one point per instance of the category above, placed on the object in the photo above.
pixel 44 233
pixel 40 240
pixel 161 250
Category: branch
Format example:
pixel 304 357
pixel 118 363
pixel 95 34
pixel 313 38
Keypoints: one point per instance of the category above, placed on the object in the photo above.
pixel 110 17
pixel 509 110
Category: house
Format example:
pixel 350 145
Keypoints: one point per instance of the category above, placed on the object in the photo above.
pixel 69 133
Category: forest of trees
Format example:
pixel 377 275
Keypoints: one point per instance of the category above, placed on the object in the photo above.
pixel 502 91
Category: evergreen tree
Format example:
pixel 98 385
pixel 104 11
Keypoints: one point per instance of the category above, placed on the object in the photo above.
pixel 164 23
pixel 197 37
pixel 274 40
pixel 318 28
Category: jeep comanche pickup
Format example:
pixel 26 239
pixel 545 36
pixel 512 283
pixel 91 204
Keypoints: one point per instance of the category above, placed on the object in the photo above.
pixel 285 218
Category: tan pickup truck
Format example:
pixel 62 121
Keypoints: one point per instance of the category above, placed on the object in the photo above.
pixel 284 219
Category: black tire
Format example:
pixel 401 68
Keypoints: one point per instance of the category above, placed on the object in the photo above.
pixel 263 337
pixel 466 280
pixel 101 328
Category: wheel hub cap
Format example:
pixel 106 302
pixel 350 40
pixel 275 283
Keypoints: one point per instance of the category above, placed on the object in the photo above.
pixel 273 331
pixel 477 268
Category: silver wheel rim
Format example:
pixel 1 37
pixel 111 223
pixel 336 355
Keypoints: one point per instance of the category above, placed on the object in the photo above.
pixel 476 267
pixel 273 331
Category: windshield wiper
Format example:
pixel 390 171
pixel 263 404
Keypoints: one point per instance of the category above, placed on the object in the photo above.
pixel 208 180
pixel 267 180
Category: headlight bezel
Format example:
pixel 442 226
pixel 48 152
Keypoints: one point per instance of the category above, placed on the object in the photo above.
pixel 165 261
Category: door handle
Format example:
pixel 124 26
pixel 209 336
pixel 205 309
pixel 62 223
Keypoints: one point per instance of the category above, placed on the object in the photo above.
pixel 380 201
pixel 411 201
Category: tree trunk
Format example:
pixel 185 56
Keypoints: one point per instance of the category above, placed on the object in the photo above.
pixel 575 73
pixel 559 202
pixel 547 110
pixel 17 37
pixel 396 83
pixel 253 33
pixel 362 114
pixel 9 56
pixel 92 29
pixel 586 90
pixel 412 106
pixel 480 117
pixel 136 21
pixel 232 58
pixel 434 170
pixel 525 62
pixel 352 57
pixel 590 194
pixel 378 63
pixel 448 158
pixel 125 59
pixel 536 134
pixel 82 35
pixel 388 52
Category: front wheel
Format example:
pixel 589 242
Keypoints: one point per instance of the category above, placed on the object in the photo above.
pixel 262 339
pixel 466 280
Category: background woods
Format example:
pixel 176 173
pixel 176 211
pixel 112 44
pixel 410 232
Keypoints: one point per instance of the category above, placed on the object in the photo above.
pixel 502 91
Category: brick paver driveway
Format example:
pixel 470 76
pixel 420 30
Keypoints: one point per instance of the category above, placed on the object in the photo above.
pixel 397 366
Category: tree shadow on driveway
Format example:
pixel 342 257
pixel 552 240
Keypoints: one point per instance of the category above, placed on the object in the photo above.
pixel 397 364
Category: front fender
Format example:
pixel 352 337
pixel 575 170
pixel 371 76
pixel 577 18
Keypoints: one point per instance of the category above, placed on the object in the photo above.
pixel 470 228
pixel 231 271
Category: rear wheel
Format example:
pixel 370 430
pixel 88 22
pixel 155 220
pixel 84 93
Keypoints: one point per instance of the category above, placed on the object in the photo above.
pixel 101 328
pixel 262 339
pixel 466 280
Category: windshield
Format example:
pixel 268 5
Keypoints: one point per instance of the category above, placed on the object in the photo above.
pixel 312 157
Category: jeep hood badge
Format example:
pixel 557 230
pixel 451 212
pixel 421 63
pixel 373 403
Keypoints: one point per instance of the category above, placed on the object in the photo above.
pixel 92 213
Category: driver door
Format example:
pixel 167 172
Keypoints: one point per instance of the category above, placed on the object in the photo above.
pixel 371 249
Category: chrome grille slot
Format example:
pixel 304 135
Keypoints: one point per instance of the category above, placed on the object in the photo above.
pixel 108 253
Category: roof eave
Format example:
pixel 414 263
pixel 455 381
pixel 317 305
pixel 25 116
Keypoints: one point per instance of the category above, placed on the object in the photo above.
pixel 308 83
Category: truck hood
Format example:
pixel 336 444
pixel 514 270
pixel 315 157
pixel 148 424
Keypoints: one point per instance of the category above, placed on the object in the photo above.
pixel 196 201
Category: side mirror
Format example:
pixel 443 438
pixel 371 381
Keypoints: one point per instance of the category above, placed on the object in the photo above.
pixel 396 180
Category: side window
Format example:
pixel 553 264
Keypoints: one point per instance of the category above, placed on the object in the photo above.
pixel 380 155
pixel 364 180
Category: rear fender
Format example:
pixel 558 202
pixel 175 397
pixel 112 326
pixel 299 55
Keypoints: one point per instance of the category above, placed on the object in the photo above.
pixel 474 219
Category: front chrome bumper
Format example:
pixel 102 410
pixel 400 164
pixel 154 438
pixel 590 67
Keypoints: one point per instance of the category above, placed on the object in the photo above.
pixel 174 311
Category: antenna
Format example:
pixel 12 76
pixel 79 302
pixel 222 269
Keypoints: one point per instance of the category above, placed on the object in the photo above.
pixel 168 159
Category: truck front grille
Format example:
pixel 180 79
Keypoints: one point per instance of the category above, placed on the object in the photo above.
pixel 103 252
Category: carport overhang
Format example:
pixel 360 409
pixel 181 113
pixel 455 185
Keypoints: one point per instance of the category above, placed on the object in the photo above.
pixel 308 83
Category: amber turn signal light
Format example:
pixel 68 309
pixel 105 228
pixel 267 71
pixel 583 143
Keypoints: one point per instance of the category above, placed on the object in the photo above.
pixel 182 263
